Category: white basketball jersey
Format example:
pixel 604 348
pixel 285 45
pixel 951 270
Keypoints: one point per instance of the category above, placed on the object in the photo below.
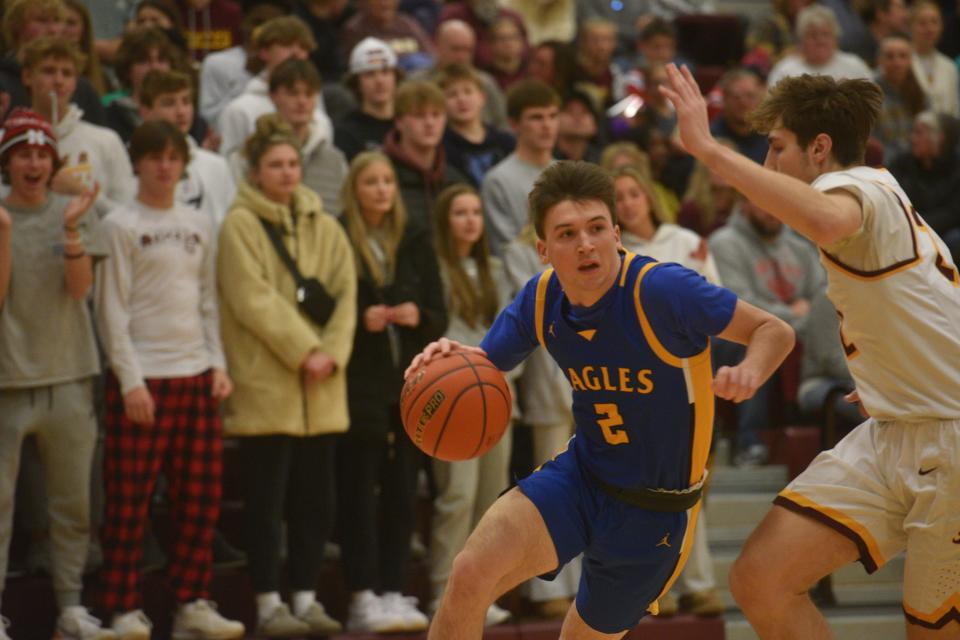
pixel 898 294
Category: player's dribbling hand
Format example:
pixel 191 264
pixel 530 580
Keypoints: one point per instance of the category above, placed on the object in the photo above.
pixel 735 384
pixel 139 407
pixel 691 108
pixel 441 348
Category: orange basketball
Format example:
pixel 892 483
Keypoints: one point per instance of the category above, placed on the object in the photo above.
pixel 456 407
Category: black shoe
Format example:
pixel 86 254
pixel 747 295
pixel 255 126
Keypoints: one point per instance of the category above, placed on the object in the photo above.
pixel 225 555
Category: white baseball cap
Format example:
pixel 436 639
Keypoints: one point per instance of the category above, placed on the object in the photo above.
pixel 372 54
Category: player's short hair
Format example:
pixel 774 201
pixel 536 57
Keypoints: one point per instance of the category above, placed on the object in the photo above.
pixel 291 71
pixel 530 94
pixel 41 49
pixel 573 181
pixel 457 72
pixel 157 83
pixel 416 95
pixel 16 14
pixel 137 45
pixel 845 110
pixel 156 136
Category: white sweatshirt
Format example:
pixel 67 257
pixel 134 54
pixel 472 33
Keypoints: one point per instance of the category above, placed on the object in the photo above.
pixel 156 297
pixel 239 118
pixel 208 184
pixel 96 154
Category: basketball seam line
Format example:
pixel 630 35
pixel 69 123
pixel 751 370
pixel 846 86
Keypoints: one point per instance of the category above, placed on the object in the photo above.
pixel 443 375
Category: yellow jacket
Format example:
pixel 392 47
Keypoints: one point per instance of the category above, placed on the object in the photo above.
pixel 265 336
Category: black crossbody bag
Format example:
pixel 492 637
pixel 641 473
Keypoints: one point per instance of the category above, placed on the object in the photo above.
pixel 312 297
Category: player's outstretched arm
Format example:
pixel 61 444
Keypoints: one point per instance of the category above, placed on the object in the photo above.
pixel 768 340
pixel 439 349
pixel 824 218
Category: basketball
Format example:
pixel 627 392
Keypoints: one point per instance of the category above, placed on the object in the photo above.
pixel 456 407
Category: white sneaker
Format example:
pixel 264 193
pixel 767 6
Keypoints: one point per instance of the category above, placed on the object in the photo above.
pixel 4 623
pixel 319 620
pixel 367 613
pixel 199 620
pixel 405 608
pixel 132 625
pixel 496 615
pixel 76 623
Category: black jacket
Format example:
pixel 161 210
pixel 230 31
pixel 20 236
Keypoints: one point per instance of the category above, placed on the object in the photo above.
pixel 374 379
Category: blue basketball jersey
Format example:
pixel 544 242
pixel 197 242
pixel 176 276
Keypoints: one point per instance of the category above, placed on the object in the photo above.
pixel 639 365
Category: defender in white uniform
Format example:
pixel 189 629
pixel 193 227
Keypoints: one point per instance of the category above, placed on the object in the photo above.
pixel 893 484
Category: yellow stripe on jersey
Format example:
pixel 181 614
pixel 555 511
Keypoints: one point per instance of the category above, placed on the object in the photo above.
pixel 698 373
pixel 627 259
pixel 838 516
pixel 541 302
pixel 936 618
pixel 692 514
pixel 700 377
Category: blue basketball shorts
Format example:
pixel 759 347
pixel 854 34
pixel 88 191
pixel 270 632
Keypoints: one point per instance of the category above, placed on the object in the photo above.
pixel 629 554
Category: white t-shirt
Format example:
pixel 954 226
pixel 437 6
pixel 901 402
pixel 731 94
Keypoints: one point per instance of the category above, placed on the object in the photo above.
pixel 156 299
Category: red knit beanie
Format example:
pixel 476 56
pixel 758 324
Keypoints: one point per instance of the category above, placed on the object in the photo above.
pixel 24 126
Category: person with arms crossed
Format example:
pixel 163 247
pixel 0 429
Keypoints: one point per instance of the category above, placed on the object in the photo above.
pixel 633 338
pixel 890 484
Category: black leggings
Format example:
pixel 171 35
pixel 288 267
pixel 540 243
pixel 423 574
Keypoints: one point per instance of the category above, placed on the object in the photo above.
pixel 292 477
pixel 378 485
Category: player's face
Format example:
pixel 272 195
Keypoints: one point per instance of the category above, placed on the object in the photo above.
pixel 30 168
pixel 278 173
pixel 581 242
pixel 176 108
pixel 466 222
pixel 295 104
pixel 785 155
pixel 633 206
pixel 159 172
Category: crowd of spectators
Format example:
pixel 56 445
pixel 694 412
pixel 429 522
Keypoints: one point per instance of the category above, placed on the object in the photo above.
pixel 179 175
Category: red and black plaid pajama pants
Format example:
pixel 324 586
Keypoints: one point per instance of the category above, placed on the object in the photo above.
pixel 185 443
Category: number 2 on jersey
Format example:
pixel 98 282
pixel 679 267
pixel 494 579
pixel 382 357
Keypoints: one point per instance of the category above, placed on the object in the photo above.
pixel 610 419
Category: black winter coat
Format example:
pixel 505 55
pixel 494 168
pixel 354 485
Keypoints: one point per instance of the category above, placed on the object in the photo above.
pixel 374 381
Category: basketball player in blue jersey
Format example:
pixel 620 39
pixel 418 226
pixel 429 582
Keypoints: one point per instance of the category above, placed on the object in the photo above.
pixel 632 337
pixel 893 483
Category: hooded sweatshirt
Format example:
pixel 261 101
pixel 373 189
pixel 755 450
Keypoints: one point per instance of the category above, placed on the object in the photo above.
pixel 207 184
pixel 265 335
pixel 239 118
pixel 672 243
pixel 769 273
pixel 418 187
pixel 96 154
